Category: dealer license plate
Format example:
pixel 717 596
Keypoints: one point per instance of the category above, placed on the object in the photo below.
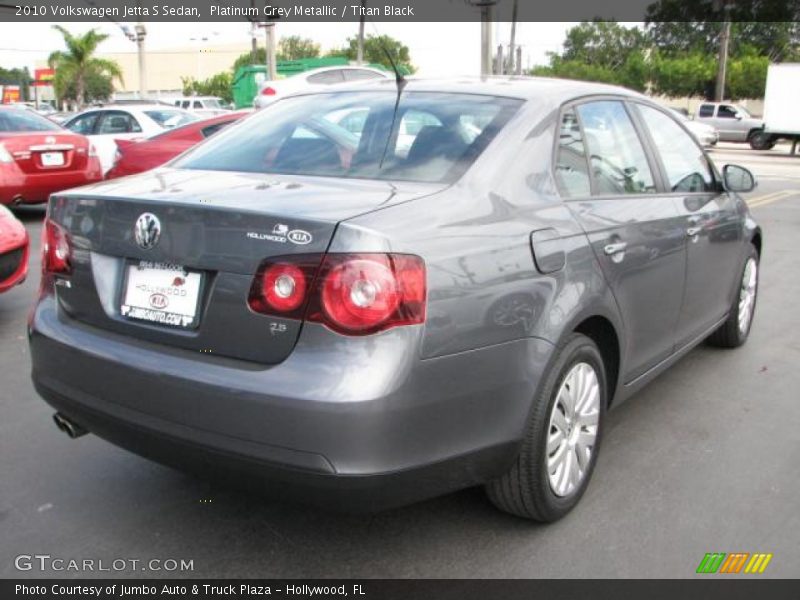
pixel 161 293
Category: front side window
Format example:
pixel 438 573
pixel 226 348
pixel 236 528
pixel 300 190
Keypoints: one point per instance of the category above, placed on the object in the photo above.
pixel 84 124
pixel 430 137
pixel 686 166
pixel 572 168
pixel 616 156
pixel 726 112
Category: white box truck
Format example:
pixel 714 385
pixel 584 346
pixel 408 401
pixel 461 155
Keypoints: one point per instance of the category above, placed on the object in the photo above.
pixel 781 111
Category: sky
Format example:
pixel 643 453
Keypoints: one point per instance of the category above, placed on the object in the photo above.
pixel 437 49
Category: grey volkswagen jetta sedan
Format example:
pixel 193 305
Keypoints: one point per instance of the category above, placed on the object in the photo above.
pixel 380 293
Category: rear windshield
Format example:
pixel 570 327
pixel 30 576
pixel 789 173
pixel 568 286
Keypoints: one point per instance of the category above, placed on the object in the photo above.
pixel 431 137
pixel 19 119
pixel 167 117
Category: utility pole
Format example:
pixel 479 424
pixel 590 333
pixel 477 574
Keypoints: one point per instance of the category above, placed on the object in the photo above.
pixel 362 18
pixel 141 33
pixel 511 70
pixel 272 61
pixel 486 36
pixel 724 42
pixel 253 38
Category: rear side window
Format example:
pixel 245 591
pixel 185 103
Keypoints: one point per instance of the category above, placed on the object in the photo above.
pixel 360 75
pixel 212 129
pixel 170 118
pixel 706 110
pixel 430 137
pixel 118 122
pixel 685 164
pixel 327 77
pixel 617 158
pixel 572 168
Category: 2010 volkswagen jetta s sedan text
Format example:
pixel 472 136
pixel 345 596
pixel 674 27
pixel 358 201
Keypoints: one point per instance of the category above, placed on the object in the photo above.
pixel 381 293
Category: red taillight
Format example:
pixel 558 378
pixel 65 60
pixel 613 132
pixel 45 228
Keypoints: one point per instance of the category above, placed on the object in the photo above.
pixel 354 294
pixel 284 287
pixel 268 91
pixel 56 249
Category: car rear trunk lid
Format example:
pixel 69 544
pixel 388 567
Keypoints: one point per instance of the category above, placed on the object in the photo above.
pixel 215 229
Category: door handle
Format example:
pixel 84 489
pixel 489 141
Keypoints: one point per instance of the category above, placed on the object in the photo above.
pixel 615 248
pixel 693 231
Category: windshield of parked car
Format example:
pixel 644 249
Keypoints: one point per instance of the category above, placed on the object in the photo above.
pixel 170 118
pixel 430 137
pixel 742 111
pixel 19 120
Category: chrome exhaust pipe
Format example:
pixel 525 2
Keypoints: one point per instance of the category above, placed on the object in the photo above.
pixel 71 428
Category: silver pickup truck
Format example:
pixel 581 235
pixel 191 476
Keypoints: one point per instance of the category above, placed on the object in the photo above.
pixel 733 123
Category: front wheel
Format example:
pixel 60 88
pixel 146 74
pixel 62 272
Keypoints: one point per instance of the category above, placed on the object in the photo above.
pixel 760 140
pixel 562 439
pixel 735 330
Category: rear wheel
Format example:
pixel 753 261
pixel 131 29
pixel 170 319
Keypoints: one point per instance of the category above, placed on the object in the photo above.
pixel 562 439
pixel 760 140
pixel 735 330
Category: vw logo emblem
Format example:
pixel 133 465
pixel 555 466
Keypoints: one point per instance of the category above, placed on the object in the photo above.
pixel 147 230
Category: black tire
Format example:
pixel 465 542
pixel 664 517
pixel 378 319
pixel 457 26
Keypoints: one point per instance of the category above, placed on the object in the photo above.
pixel 729 334
pixel 759 140
pixel 524 490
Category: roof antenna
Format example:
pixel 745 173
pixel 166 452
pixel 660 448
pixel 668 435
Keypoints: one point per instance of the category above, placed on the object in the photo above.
pixel 401 81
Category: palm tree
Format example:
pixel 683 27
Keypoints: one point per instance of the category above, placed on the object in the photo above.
pixel 78 64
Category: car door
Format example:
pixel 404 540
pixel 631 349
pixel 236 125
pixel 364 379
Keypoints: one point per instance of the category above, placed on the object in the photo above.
pixel 114 125
pixel 634 228
pixel 712 221
pixel 729 124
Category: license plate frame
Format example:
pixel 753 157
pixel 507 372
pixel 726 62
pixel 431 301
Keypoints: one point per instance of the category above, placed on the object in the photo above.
pixel 53 159
pixel 135 273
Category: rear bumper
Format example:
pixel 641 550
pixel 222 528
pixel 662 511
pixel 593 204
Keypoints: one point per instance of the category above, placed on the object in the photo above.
pixel 362 429
pixel 25 188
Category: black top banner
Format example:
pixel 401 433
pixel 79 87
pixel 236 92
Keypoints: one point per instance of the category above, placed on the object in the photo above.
pixel 398 10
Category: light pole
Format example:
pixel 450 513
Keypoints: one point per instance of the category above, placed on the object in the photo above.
pixel 724 42
pixel 360 51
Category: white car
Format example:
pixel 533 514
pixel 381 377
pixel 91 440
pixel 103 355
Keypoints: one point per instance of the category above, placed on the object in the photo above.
pixel 703 132
pixel 271 90
pixel 203 106
pixel 103 126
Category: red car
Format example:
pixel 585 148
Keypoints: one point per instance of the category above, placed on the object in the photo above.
pixel 13 250
pixel 39 157
pixel 135 156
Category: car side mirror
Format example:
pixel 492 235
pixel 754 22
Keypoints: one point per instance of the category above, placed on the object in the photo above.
pixel 738 179
pixel 739 117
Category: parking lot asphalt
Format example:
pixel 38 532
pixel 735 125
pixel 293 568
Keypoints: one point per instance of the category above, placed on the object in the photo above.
pixel 705 459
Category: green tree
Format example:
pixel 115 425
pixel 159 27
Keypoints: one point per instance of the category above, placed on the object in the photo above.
pixel 295 47
pixel 689 75
pixel 374 51
pixel 77 65
pixel 602 51
pixel 772 27
pixel 246 59
pixel 219 85
pixel 16 76
pixel 603 43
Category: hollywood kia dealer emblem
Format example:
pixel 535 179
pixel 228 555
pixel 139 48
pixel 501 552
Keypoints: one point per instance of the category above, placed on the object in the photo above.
pixel 147 230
